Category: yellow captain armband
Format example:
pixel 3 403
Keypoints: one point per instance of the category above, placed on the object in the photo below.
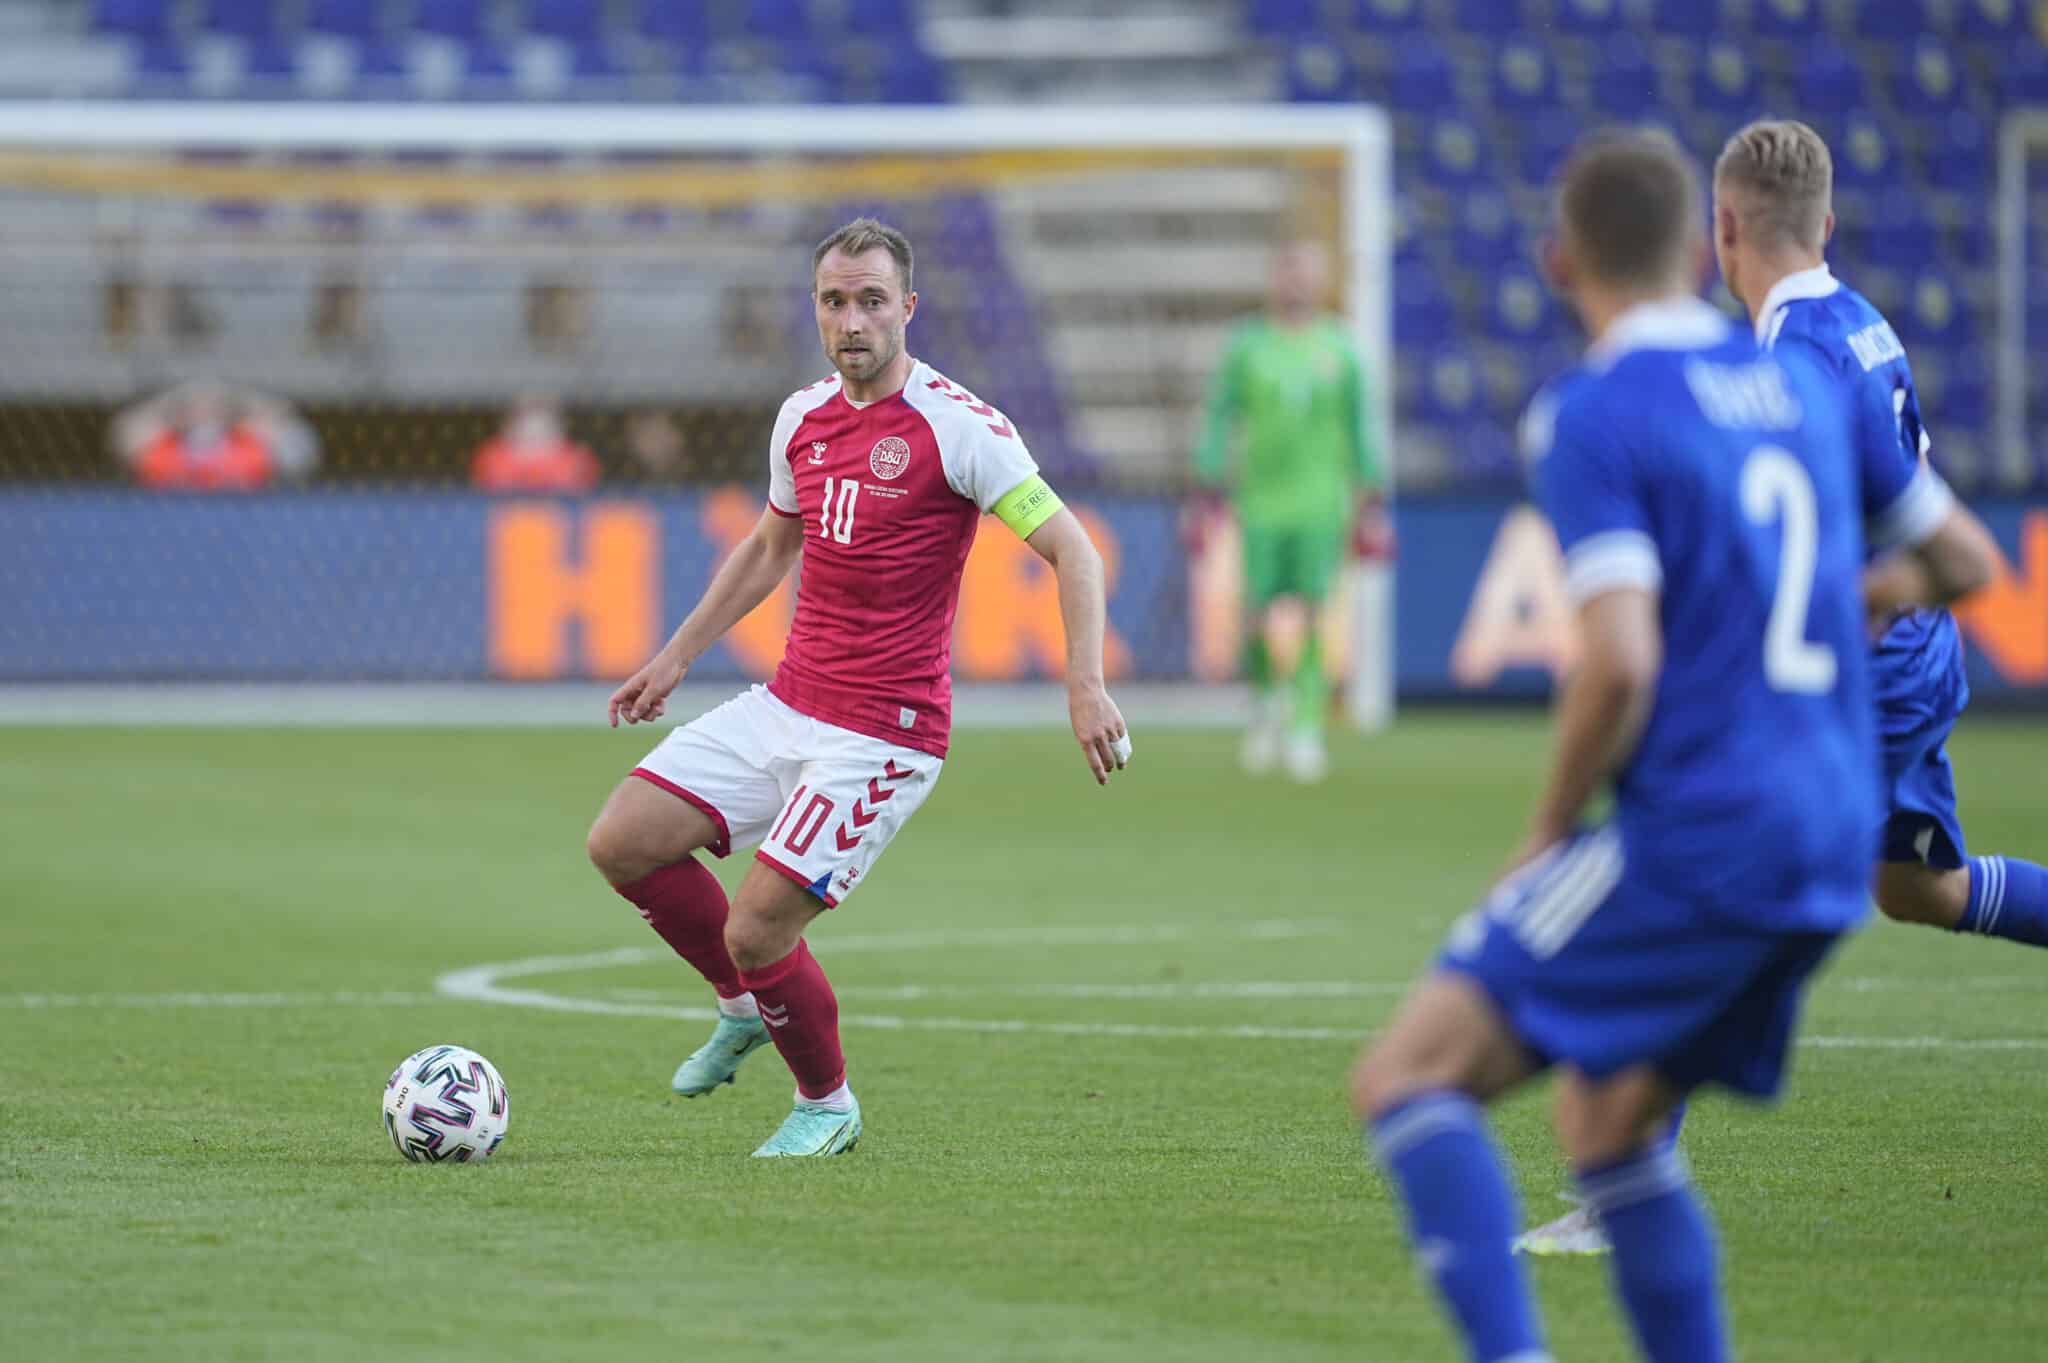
pixel 1027 506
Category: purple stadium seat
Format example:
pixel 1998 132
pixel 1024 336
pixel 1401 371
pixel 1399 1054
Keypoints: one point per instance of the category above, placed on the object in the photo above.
pixel 1697 20
pixel 777 21
pixel 1959 156
pixel 594 61
pixel 1965 403
pixel 1488 19
pixel 1424 315
pixel 1544 145
pixel 572 21
pixel 1867 157
pixel 1422 80
pixel 1726 82
pixel 1450 387
pixel 2023 79
pixel 1454 154
pixel 1487 238
pixel 1931 81
pixel 1625 80
pixel 1284 18
pixel 1899 236
pixel 251 19
pixel 272 61
pixel 1390 16
pixel 1320 72
pixel 1590 18
pixel 132 18
pixel 161 59
pixel 908 75
pixel 894 20
pixel 380 64
pixel 1829 80
pixel 463 19
pixel 341 18
pixel 1485 452
pixel 1520 310
pixel 1991 20
pixel 1524 78
pixel 1936 313
pixel 677 21
pixel 1794 19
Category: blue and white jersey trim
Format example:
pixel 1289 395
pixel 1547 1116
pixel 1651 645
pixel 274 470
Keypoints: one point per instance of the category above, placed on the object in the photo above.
pixel 1915 515
pixel 1610 561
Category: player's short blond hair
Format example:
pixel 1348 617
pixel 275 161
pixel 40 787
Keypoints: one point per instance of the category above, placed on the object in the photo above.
pixel 1629 202
pixel 1786 178
pixel 863 235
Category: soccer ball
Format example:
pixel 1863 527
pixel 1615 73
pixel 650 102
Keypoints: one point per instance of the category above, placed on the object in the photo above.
pixel 446 1103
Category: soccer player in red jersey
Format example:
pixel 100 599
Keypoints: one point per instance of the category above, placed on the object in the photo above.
pixel 877 478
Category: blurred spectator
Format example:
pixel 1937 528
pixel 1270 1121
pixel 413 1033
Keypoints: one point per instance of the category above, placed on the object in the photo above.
pixel 655 449
pixel 207 438
pixel 532 453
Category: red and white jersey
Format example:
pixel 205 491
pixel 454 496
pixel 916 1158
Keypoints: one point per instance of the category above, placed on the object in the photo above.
pixel 890 494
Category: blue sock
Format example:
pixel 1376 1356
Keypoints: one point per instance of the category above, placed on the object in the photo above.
pixel 1462 1219
pixel 2008 899
pixel 1663 1254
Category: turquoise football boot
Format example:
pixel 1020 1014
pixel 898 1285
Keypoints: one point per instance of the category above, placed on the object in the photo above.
pixel 717 1060
pixel 813 1130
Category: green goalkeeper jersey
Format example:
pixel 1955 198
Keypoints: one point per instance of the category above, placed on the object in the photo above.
pixel 1288 425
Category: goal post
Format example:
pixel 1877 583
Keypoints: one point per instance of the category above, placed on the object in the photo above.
pixel 397 275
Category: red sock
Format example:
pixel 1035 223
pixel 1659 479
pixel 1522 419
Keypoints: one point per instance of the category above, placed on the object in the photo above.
pixel 802 1014
pixel 685 904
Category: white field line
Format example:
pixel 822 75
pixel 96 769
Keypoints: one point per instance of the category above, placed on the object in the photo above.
pixel 338 999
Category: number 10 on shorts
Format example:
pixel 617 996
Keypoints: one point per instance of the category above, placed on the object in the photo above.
pixel 836 522
pixel 807 825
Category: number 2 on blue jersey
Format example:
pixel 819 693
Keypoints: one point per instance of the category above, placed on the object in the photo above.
pixel 1776 488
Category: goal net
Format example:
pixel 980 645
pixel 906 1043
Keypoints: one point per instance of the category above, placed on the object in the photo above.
pixel 428 392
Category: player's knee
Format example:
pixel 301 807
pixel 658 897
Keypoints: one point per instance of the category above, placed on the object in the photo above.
pixel 1388 1075
pixel 753 945
pixel 614 852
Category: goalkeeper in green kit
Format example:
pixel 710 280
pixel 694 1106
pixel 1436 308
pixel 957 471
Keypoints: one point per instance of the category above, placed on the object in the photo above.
pixel 1287 439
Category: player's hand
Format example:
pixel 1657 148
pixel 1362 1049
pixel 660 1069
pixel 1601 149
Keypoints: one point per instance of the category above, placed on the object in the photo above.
pixel 644 696
pixel 1099 726
pixel 1372 531
pixel 1199 518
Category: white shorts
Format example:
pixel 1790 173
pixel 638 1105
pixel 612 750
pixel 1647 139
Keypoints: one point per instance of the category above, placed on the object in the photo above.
pixel 821 801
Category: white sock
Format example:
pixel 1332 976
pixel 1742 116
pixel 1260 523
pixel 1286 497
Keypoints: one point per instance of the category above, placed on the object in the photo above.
pixel 741 1007
pixel 838 1100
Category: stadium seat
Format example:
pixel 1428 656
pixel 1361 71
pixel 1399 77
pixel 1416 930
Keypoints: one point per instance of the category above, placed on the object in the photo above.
pixel 1994 21
pixel 1899 236
pixel 1589 18
pixel 676 21
pixel 254 20
pixel 1450 388
pixel 2023 78
pixel 1798 20
pixel 1542 148
pixel 1625 81
pixel 1965 400
pixel 341 18
pixel 1932 82
pixel 594 61
pixel 1829 79
pixel 1695 20
pixel 1390 16
pixel 132 18
pixel 1524 78
pixel 486 65
pixel 1423 80
pixel 1489 20
pixel 1726 82
pixel 381 66
pixel 777 21
pixel 1484 451
pixel 1487 238
pixel 161 59
pixel 1319 71
pixel 913 76
pixel 1284 18
pixel 573 21
pixel 1454 155
pixel 1867 157
pixel 894 20
pixel 1424 313
pixel 1520 311
pixel 1959 156
pixel 271 61
pixel 1936 313
pixel 1895 22
pixel 463 19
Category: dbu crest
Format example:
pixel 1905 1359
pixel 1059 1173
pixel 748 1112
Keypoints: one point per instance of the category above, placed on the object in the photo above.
pixel 889 457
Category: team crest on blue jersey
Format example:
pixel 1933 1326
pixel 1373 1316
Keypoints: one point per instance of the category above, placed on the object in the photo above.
pixel 889 457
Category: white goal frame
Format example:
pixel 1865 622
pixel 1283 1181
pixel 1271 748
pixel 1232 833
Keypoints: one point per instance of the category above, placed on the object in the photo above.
pixel 1361 134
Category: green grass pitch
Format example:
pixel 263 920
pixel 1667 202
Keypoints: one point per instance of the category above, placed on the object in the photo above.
pixel 1132 1145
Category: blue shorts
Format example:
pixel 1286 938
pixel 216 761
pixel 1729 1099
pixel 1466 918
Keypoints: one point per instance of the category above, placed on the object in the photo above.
pixel 1920 822
pixel 1594 969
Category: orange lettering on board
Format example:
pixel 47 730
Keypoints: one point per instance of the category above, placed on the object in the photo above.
pixel 1009 622
pixel 537 590
pixel 2009 618
pixel 758 640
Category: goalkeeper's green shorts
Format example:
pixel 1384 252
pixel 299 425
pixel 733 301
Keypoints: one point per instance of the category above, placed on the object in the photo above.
pixel 1294 560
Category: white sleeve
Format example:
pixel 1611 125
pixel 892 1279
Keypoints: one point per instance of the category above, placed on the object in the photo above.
pixel 1915 514
pixel 988 460
pixel 781 477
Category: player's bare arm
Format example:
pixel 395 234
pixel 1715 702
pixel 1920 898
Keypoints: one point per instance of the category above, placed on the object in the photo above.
pixel 1602 709
pixel 1957 559
pixel 1098 725
pixel 753 569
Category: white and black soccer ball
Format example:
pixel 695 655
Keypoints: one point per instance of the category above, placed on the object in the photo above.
pixel 446 1103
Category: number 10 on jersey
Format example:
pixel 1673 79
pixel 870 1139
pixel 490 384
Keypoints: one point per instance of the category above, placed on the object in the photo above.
pixel 835 517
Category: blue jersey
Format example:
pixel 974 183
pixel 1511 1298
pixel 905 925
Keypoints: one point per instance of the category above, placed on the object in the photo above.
pixel 1682 459
pixel 1918 669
